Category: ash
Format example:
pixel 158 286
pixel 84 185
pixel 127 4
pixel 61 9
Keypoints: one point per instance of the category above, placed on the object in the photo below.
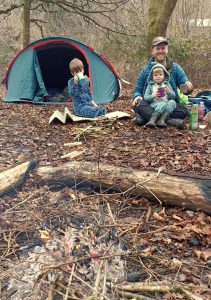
pixel 74 256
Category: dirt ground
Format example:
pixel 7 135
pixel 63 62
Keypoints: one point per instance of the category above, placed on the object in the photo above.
pixel 160 246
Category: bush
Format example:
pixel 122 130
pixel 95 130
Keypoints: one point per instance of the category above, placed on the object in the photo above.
pixel 194 55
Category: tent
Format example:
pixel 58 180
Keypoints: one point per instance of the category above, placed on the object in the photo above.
pixel 42 69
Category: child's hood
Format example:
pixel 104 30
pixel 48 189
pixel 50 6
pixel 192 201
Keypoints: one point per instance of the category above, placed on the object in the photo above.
pixel 157 65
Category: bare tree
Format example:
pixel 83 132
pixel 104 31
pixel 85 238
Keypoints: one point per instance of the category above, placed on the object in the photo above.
pixel 95 12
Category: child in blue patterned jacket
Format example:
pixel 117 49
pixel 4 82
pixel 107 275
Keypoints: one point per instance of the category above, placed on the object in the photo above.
pixel 79 90
pixel 160 95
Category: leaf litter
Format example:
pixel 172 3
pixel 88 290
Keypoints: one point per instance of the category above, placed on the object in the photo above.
pixel 65 243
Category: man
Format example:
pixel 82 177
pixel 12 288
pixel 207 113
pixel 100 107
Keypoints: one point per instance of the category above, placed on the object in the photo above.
pixel 177 77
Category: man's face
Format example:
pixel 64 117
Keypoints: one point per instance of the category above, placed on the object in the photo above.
pixel 159 52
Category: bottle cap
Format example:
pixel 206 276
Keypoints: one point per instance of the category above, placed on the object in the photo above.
pixel 194 108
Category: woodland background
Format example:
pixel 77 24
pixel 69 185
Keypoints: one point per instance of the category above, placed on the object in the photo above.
pixel 116 28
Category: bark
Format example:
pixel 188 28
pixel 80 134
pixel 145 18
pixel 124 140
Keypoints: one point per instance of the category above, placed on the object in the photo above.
pixel 160 12
pixel 26 22
pixel 187 192
pixel 13 179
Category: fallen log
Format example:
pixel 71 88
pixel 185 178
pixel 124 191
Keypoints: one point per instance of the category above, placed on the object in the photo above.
pixel 12 179
pixel 187 192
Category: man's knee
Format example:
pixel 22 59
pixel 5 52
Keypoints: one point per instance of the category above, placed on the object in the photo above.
pixel 180 112
pixel 144 110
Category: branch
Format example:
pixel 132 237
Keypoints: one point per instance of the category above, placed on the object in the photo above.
pixel 9 9
pixel 36 22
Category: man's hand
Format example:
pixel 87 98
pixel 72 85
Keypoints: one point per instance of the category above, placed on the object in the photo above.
pixel 167 89
pixel 189 85
pixel 136 100
pixel 75 79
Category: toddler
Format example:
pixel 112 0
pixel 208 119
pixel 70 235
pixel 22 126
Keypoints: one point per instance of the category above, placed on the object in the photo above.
pixel 160 95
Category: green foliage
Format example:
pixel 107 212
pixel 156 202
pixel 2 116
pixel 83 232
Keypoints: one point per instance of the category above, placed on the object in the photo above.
pixel 180 49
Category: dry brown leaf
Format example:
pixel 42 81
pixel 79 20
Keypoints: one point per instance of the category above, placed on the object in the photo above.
pixel 158 217
pixel 206 254
pixel 176 263
pixel 201 219
pixel 197 253
pixel 190 160
pixel 73 196
pixel 45 235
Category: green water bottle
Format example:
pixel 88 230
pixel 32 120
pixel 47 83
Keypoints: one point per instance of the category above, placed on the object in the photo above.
pixel 194 117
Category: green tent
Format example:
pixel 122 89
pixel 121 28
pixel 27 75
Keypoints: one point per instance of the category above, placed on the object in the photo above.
pixel 42 69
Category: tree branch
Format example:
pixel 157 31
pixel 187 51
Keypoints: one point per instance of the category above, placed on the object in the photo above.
pixel 9 9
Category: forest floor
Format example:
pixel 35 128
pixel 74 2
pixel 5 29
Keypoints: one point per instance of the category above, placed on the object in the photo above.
pixel 56 243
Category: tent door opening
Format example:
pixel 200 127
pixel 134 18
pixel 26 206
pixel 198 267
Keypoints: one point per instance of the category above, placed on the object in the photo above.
pixel 54 62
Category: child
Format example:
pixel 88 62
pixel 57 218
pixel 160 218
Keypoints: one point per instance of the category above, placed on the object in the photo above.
pixel 79 90
pixel 160 95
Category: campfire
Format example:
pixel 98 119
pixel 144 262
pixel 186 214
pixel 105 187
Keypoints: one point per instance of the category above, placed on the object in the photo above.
pixel 71 244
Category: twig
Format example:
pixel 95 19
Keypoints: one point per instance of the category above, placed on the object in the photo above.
pixel 73 144
pixel 88 285
pixel 137 230
pixel 110 213
pixel 165 227
pixel 23 201
pixel 82 132
pixel 189 295
pixel 148 214
pixel 132 295
pixel 104 281
pixel 69 283
pixel 162 287
pixel 95 292
pixel 142 184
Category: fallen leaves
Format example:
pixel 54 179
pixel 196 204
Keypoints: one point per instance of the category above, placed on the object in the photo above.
pixel 129 145
pixel 202 254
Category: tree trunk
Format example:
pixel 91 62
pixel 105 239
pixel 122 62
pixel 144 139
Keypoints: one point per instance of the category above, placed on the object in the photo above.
pixel 187 192
pixel 160 12
pixel 12 180
pixel 26 22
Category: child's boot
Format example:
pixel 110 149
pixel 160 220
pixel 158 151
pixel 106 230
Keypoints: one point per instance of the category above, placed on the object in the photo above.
pixel 161 122
pixel 152 122
pixel 178 123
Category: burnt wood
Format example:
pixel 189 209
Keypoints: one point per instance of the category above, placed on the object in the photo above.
pixel 187 192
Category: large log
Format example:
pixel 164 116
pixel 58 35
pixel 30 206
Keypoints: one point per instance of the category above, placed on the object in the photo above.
pixel 187 192
pixel 12 179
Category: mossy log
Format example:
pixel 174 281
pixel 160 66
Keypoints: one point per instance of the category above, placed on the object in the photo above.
pixel 187 192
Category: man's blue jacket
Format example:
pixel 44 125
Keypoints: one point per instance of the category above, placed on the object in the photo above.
pixel 177 77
